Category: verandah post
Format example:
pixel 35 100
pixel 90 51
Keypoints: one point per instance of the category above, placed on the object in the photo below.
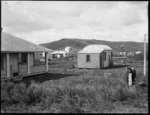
pixel 8 64
pixel 28 63
pixel 46 61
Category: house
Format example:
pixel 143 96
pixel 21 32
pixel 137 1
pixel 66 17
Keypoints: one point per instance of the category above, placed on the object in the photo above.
pixel 138 52
pixel 66 52
pixel 18 57
pixel 70 51
pixel 58 54
pixel 130 54
pixel 95 56
pixel 122 54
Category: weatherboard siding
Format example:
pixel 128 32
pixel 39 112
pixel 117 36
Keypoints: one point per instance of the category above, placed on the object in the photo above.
pixel 3 73
pixel 94 62
pixel 13 59
pixel 21 69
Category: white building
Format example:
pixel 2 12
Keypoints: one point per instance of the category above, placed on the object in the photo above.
pixel 138 52
pixel 57 54
pixel 94 56
pixel 123 54
pixel 70 50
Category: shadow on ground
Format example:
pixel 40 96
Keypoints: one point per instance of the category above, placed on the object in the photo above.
pixel 43 77
pixel 117 66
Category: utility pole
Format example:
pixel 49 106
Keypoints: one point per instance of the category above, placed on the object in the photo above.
pixel 145 55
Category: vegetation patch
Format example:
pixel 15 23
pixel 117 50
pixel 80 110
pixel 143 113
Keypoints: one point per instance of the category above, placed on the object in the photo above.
pixel 91 91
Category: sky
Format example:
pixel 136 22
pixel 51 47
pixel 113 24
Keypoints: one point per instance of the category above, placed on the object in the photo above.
pixel 48 21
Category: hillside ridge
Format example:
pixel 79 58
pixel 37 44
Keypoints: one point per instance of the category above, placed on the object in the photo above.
pixel 81 43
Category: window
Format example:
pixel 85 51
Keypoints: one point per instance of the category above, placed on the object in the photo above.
pixel 22 58
pixel 88 58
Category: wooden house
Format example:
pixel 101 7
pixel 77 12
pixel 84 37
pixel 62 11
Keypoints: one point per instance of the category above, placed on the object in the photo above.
pixel 18 57
pixel 94 56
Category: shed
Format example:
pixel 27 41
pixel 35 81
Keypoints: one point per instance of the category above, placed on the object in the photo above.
pixel 18 57
pixel 95 56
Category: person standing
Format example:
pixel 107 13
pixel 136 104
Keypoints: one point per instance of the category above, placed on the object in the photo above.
pixel 129 77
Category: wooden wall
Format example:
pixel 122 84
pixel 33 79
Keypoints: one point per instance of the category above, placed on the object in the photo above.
pixel 94 63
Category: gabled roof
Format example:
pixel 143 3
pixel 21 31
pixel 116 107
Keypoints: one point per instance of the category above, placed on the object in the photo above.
pixel 95 48
pixel 11 43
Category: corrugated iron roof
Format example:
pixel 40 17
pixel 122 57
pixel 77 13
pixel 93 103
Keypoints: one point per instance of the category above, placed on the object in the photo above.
pixel 95 48
pixel 11 43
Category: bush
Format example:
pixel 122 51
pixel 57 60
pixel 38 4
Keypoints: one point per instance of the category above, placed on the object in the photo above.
pixel 36 93
pixel 19 94
pixel 88 93
pixel 6 91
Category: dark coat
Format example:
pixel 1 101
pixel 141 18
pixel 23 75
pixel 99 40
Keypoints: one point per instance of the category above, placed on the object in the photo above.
pixel 129 70
pixel 133 72
pixel 133 75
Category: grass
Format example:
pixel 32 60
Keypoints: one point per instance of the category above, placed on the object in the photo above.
pixel 82 91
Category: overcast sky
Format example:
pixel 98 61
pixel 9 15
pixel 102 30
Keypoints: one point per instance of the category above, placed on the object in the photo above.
pixel 47 21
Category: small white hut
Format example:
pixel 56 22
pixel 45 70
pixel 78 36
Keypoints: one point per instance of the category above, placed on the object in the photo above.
pixel 95 56
pixel 70 50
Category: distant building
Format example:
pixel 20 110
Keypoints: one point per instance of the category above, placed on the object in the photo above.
pixel 130 54
pixel 18 57
pixel 94 56
pixel 71 51
pixel 68 51
pixel 123 54
pixel 138 52
pixel 58 54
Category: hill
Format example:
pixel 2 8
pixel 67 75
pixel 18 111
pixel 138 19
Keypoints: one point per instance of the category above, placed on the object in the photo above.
pixel 80 43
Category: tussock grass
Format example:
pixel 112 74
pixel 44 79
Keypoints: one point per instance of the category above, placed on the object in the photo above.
pixel 90 92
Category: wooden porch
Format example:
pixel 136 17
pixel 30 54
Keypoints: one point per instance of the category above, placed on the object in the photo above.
pixel 23 72
pixel 14 70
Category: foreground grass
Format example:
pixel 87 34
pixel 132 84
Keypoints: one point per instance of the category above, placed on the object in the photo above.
pixel 76 94
pixel 85 91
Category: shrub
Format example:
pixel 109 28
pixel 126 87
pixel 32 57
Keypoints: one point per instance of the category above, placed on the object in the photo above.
pixel 36 93
pixel 6 91
pixel 19 94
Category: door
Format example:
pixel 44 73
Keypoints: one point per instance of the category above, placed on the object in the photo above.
pixel 14 64
pixel 101 61
pixel 22 63
pixel 109 61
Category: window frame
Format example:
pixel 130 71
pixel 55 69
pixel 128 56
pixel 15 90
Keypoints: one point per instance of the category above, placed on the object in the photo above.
pixel 88 59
